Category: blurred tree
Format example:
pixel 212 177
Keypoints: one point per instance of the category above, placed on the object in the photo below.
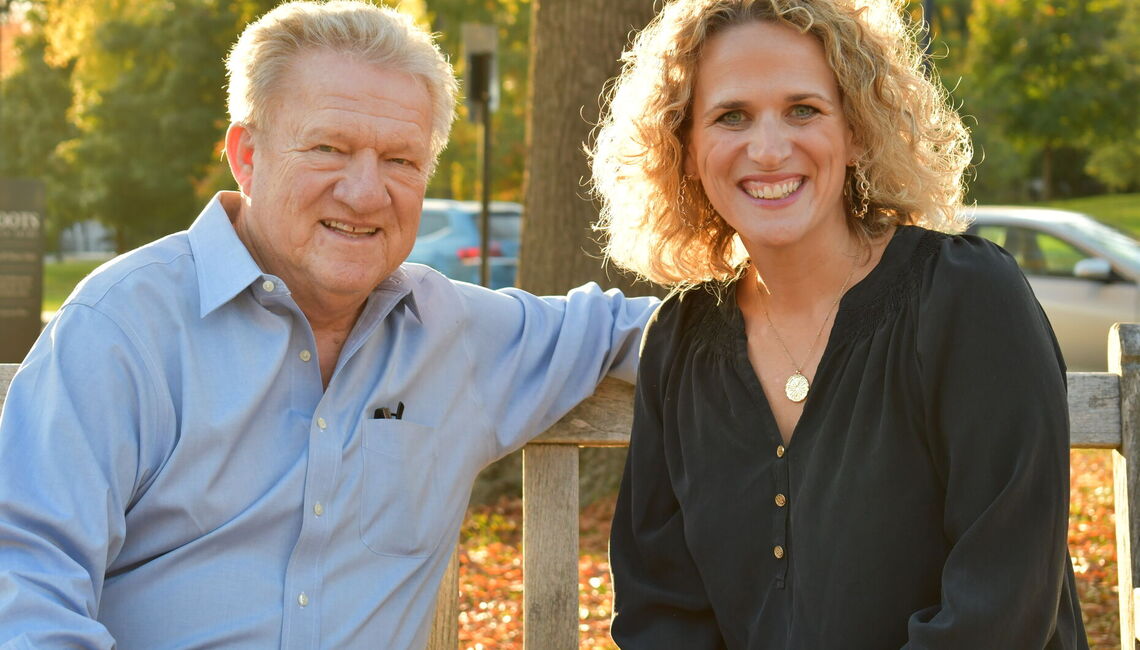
pixel 34 101
pixel 999 168
pixel 559 247
pixel 147 107
pixel 1049 73
pixel 1117 163
pixel 568 73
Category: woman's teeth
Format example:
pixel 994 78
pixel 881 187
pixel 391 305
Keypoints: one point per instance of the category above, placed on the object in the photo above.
pixel 773 190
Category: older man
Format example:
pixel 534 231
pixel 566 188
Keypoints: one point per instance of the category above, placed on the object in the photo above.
pixel 262 432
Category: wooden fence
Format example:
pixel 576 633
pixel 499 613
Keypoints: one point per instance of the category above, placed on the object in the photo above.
pixel 1104 413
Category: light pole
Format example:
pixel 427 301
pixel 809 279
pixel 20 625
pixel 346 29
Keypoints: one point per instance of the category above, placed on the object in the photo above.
pixel 479 42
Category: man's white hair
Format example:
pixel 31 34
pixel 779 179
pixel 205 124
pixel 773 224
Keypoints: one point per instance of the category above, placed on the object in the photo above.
pixel 377 35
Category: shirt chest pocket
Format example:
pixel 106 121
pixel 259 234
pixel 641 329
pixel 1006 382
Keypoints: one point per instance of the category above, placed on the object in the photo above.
pixel 401 513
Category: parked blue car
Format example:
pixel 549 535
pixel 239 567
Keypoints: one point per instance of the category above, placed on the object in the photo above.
pixel 448 240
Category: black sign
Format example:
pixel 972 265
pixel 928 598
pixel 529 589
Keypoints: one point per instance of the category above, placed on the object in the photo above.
pixel 21 266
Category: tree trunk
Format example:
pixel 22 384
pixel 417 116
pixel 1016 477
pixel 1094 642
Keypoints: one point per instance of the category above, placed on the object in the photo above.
pixel 1047 172
pixel 575 47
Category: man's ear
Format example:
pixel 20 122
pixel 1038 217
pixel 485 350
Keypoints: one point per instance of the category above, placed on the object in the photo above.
pixel 239 153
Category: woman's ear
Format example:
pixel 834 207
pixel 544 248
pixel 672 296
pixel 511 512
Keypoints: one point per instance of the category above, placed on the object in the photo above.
pixel 855 148
pixel 239 154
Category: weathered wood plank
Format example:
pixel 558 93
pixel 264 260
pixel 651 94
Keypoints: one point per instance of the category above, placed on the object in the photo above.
pixel 550 547
pixel 445 625
pixel 1124 359
pixel 603 420
pixel 1135 623
pixel 1094 410
pixel 6 372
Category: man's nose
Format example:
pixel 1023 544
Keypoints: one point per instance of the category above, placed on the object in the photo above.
pixel 769 144
pixel 363 185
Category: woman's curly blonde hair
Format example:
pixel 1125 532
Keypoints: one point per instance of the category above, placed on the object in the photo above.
pixel 662 226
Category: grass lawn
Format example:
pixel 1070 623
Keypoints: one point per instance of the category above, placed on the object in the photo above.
pixel 61 277
pixel 1120 210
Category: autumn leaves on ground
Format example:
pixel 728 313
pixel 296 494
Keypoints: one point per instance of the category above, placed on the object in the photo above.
pixel 490 573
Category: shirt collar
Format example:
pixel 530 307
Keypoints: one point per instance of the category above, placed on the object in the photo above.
pixel 225 268
pixel 398 287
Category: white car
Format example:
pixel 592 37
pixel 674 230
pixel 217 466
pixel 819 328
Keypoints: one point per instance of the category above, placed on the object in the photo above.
pixel 1083 273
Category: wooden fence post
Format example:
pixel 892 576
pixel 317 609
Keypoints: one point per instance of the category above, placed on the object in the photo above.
pixel 1124 359
pixel 550 547
pixel 445 627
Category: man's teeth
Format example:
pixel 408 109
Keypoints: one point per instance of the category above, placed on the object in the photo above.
pixel 348 228
pixel 775 191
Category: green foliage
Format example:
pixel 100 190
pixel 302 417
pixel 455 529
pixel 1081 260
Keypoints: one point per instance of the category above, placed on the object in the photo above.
pixel 156 123
pixel 1051 73
pixel 119 104
pixel 1117 164
pixel 136 113
pixel 34 100
pixel 120 107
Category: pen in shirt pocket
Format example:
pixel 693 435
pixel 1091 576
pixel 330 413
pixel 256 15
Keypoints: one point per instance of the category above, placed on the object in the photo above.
pixel 385 413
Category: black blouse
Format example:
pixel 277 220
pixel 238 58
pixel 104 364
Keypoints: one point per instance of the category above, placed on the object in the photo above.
pixel 921 503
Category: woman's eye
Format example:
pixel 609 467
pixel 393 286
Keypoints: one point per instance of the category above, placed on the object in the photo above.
pixel 731 118
pixel 803 111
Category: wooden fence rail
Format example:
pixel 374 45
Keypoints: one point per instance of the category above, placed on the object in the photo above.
pixel 1104 413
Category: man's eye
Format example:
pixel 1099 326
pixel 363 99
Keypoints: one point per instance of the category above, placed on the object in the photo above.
pixel 326 148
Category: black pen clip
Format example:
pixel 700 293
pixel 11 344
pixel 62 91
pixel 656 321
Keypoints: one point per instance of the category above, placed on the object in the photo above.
pixel 384 413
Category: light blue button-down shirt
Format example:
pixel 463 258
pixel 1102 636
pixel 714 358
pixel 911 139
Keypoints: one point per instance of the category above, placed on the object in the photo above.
pixel 173 475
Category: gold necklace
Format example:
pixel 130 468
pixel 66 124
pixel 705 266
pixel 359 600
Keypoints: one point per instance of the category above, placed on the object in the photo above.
pixel 797 386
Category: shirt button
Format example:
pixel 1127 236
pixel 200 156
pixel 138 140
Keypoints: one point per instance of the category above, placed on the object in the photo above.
pixel 268 286
pixel 318 509
pixel 306 355
pixel 781 500
pixel 303 599
pixel 778 551
pixel 779 451
pixel 322 424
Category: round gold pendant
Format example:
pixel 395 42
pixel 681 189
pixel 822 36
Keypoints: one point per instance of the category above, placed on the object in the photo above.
pixel 796 388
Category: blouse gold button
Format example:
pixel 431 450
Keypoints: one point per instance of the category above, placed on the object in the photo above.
pixel 779 451
pixel 781 500
pixel 778 551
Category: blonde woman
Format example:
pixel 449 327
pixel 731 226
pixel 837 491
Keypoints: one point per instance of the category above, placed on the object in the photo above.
pixel 850 428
